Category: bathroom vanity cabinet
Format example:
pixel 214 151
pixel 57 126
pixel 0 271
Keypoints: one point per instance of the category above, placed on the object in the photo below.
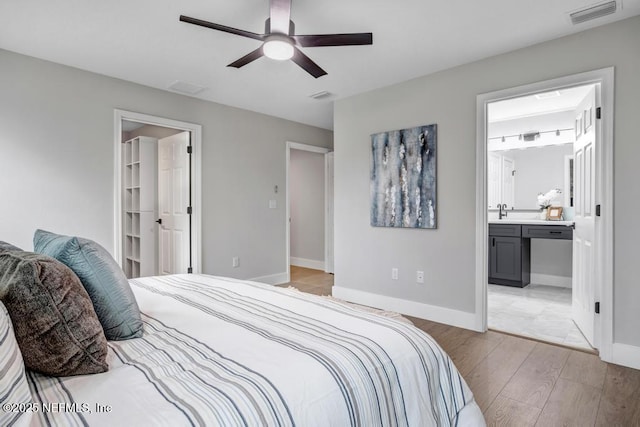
pixel 510 249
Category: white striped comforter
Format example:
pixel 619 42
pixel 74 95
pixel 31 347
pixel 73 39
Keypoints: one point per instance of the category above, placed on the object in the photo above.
pixel 219 351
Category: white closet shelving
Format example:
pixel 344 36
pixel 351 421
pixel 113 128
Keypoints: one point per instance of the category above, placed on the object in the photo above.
pixel 139 213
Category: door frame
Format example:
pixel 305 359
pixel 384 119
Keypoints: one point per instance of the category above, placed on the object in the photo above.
pixel 290 145
pixel 196 179
pixel 329 184
pixel 603 332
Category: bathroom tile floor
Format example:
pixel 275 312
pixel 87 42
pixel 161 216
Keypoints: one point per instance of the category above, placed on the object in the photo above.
pixel 537 311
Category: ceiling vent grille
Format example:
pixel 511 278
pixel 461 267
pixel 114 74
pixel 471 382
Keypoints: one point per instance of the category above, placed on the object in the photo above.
pixel 321 95
pixel 593 12
pixel 186 88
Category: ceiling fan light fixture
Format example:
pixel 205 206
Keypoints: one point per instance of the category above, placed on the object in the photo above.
pixel 278 47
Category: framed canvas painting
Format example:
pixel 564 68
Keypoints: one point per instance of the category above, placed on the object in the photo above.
pixel 403 178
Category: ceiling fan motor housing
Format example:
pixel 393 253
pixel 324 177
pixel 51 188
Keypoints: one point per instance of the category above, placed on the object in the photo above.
pixel 267 27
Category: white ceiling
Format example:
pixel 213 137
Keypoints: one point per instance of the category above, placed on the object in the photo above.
pixel 142 41
pixel 535 105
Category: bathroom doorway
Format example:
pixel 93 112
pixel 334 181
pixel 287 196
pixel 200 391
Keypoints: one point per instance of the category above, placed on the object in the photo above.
pixel 536 142
pixel 529 139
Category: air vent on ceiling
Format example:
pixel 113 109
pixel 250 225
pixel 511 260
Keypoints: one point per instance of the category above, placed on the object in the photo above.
pixel 186 88
pixel 593 12
pixel 321 95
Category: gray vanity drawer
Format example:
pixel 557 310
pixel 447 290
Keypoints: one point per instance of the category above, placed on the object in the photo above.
pixel 509 230
pixel 547 232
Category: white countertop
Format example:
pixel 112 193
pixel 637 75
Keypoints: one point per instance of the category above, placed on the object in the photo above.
pixel 530 222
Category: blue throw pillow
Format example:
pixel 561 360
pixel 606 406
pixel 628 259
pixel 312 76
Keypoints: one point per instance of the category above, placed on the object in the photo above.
pixel 103 279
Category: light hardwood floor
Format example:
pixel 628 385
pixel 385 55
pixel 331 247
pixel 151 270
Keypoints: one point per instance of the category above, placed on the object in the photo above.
pixel 520 382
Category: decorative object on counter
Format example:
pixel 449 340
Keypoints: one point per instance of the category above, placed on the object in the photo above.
pixel 403 178
pixel 545 200
pixel 554 213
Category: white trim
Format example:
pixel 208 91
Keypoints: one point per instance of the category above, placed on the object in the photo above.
pixel 307 263
pixel 482 228
pixel 604 196
pixel 460 319
pixel 294 146
pixel 273 279
pixel 626 355
pixel 196 178
pixel 551 280
pixel 329 216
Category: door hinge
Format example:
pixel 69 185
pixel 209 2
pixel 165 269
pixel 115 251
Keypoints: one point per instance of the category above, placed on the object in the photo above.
pixel 597 210
pixel 189 149
pixel 189 210
pixel 189 270
pixel 598 113
pixel 598 307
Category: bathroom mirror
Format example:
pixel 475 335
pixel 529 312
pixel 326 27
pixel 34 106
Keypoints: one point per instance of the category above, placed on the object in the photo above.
pixel 516 177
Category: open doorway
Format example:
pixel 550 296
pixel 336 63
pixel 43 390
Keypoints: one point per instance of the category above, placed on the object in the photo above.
pixel 570 250
pixel 531 145
pixel 157 174
pixel 309 199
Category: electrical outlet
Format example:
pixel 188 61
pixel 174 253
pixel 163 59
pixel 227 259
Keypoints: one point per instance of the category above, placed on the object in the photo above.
pixel 420 276
pixel 394 273
pixel 235 261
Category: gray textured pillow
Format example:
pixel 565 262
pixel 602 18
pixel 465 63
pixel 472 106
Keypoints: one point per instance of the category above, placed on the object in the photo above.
pixel 13 381
pixel 103 279
pixel 4 246
pixel 55 325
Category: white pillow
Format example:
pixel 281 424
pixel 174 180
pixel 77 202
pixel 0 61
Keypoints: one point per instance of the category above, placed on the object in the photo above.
pixel 15 397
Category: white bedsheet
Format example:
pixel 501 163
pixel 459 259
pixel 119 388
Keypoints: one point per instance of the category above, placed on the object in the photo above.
pixel 219 351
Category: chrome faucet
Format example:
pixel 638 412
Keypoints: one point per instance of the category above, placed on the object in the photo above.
pixel 502 210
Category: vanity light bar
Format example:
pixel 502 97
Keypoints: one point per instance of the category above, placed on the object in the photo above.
pixel 531 135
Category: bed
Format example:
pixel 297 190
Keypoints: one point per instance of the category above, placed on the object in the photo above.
pixel 220 351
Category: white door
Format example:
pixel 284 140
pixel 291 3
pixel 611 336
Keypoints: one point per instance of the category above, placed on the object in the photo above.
pixel 584 152
pixel 328 191
pixel 173 200
pixel 508 181
pixel 494 162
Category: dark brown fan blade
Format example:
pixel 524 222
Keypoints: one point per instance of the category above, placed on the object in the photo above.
pixel 318 40
pixel 307 64
pixel 280 14
pixel 250 57
pixel 219 27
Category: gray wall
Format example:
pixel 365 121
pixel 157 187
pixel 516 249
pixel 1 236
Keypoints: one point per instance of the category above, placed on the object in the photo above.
pixel 57 160
pixel 306 195
pixel 551 257
pixel 365 255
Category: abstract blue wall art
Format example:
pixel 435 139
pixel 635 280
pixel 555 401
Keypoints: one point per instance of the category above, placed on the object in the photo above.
pixel 403 178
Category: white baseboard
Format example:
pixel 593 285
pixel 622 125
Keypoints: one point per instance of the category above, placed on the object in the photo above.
pixel 307 263
pixel 461 319
pixel 274 279
pixel 626 355
pixel 551 280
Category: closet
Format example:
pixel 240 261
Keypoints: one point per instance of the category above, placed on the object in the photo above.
pixel 139 213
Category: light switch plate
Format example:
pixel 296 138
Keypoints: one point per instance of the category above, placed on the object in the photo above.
pixel 273 204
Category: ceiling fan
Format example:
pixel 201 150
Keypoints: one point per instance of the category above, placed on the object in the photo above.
pixel 280 41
